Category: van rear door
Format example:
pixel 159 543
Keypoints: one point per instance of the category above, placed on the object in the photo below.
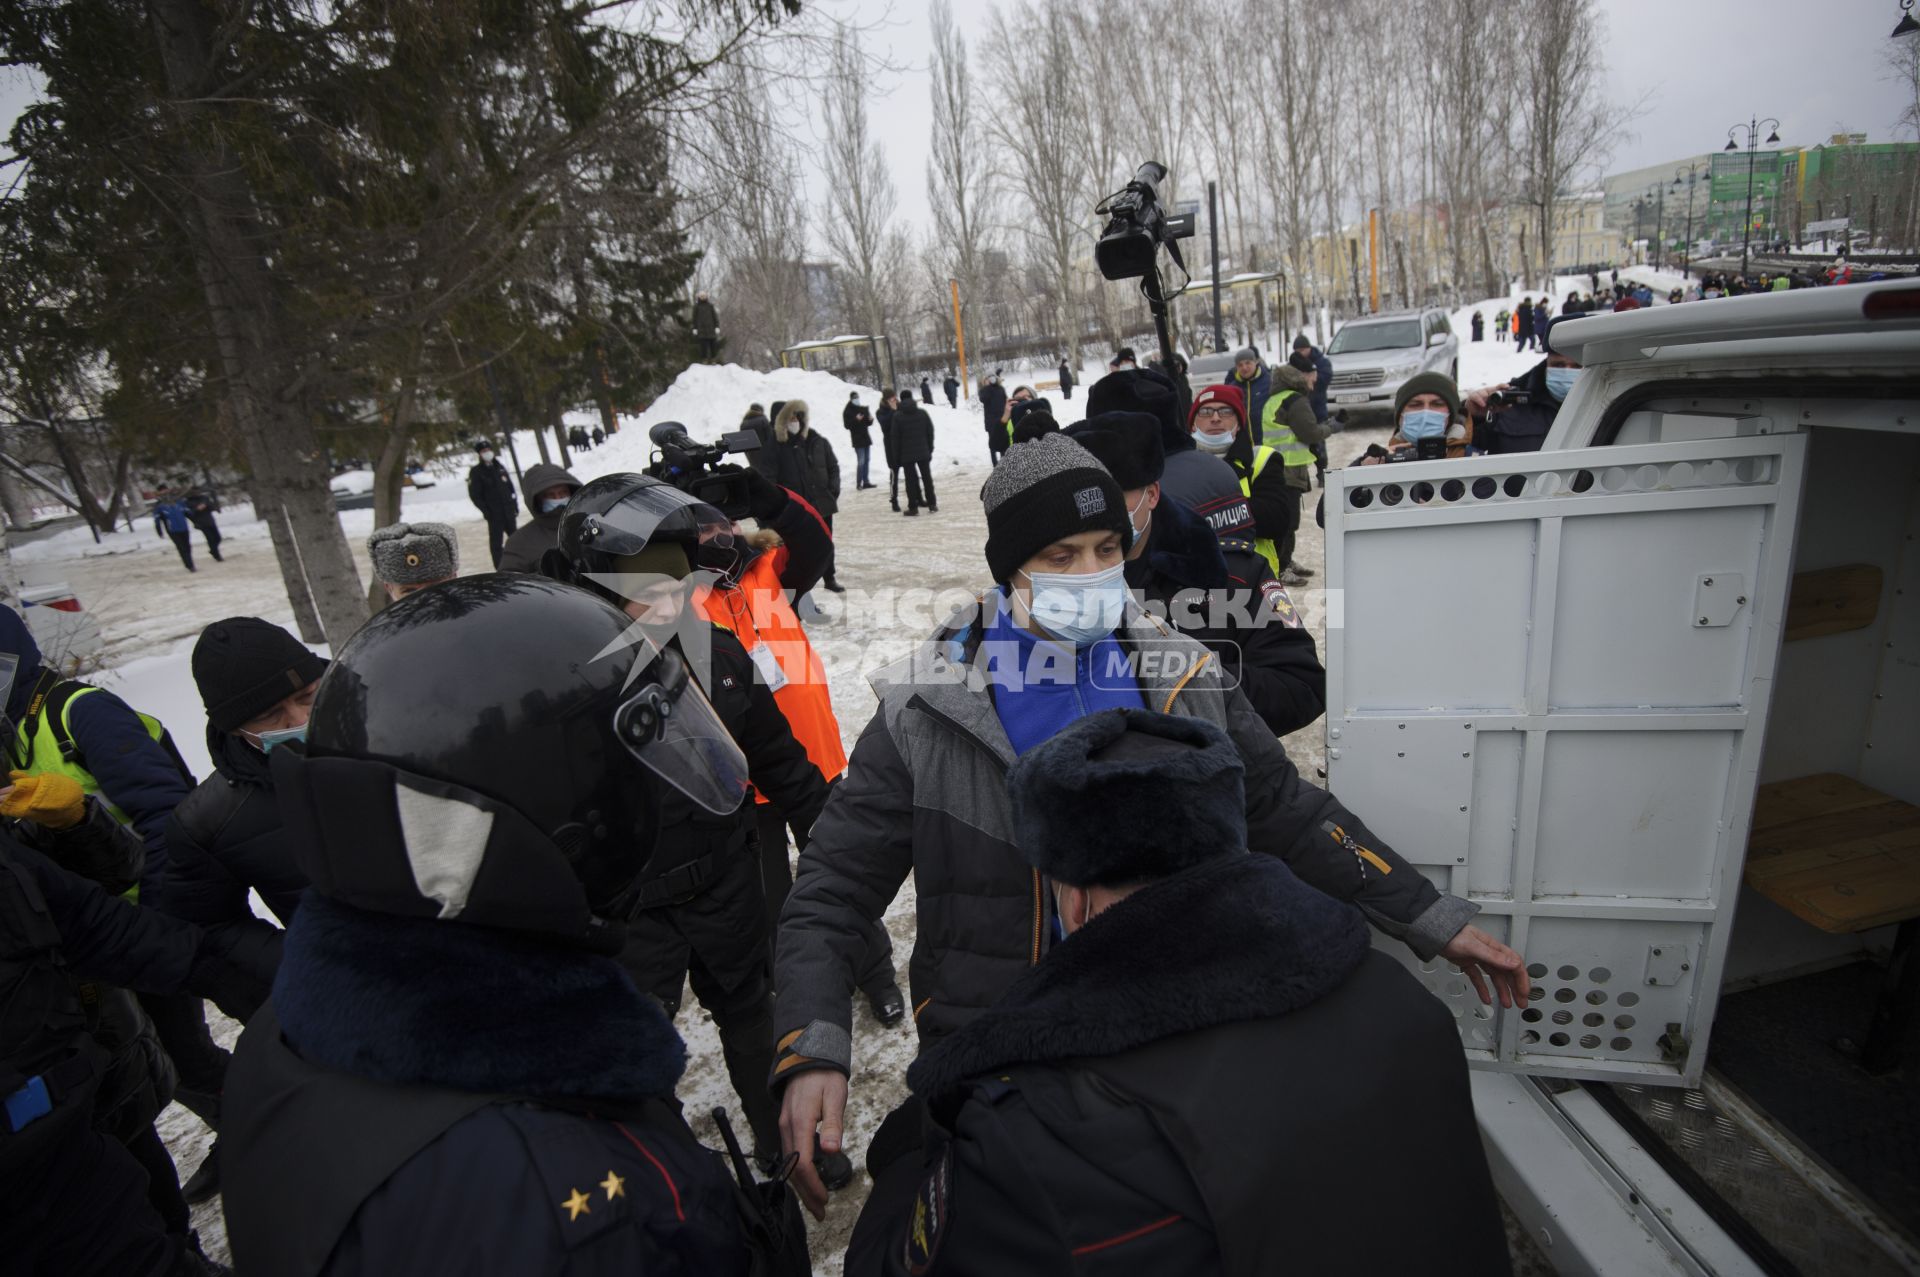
pixel 1548 678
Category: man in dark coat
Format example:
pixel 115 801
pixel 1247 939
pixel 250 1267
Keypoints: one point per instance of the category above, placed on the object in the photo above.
pixel 993 403
pixel 889 405
pixel 1229 602
pixel 200 511
pixel 926 391
pixel 858 422
pixel 706 328
pixel 1198 1076
pixel 224 839
pixel 807 466
pixel 471 1081
pixel 77 1199
pixel 1066 380
pixel 1523 325
pixel 490 488
pixel 952 386
pixel 913 450
pixel 548 489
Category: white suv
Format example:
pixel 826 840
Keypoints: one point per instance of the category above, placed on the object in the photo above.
pixel 1373 355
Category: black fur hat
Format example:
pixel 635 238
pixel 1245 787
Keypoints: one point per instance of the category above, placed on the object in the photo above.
pixel 1145 390
pixel 1127 796
pixel 1126 443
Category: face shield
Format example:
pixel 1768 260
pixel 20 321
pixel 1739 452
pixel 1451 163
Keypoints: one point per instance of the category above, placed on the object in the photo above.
pixel 671 727
pixel 649 514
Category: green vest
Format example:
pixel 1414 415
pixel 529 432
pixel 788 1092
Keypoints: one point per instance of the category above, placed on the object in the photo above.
pixel 1280 435
pixel 47 746
pixel 1261 455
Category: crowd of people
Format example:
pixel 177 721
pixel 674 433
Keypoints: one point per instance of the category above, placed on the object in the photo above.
pixel 521 812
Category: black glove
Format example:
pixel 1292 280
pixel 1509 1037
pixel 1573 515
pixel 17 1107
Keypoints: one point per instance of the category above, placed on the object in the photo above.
pixel 235 967
pixel 765 498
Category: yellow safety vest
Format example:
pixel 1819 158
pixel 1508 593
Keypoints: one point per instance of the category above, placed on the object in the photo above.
pixel 48 751
pixel 1280 435
pixel 1268 549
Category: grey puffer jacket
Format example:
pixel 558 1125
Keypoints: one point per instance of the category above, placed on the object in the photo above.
pixel 925 793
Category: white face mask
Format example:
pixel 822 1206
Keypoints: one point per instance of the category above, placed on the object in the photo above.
pixel 1078 608
pixel 1214 441
pixel 485 457
pixel 1134 509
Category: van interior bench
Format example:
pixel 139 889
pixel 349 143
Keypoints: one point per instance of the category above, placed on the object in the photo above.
pixel 1846 859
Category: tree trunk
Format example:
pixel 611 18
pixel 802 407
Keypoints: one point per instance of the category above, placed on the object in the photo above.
pixel 557 415
pixel 390 467
pixel 603 397
pixel 283 451
pixel 122 466
pixel 14 501
pixel 88 504
pixel 306 617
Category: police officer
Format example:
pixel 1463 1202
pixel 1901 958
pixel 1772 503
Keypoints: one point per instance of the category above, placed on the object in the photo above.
pixel 490 489
pixel 1117 1109
pixel 637 542
pixel 455 1074
pixel 77 1200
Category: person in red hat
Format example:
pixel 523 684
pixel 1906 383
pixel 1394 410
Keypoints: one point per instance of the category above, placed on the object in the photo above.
pixel 1218 423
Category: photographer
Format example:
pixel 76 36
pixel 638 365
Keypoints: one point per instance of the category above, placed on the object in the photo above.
pixel 1428 423
pixel 1516 416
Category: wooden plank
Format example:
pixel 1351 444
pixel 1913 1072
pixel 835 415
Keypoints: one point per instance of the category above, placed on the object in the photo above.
pixel 1836 853
pixel 1785 802
pixel 1833 600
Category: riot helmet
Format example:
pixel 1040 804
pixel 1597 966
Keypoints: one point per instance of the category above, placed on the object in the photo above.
pixel 471 754
pixel 635 523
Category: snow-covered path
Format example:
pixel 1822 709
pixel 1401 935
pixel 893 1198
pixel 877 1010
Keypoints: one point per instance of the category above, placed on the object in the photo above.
pixel 894 569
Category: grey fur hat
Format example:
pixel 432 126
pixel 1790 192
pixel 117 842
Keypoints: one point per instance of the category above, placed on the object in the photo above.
pixel 1127 795
pixel 414 553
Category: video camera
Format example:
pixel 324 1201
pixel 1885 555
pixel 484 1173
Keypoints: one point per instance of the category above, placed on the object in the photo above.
pixel 1137 226
pixel 696 468
pixel 1434 449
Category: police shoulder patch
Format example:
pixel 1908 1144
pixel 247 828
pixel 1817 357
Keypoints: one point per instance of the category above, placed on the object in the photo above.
pixel 931 1206
pixel 1280 603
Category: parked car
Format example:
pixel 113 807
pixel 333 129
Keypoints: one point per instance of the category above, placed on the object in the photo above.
pixel 1373 355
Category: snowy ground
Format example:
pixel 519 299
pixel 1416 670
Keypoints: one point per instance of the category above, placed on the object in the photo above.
pixel 150 609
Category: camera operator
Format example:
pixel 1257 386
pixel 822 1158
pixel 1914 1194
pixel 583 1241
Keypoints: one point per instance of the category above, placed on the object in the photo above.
pixel 1515 416
pixel 1428 423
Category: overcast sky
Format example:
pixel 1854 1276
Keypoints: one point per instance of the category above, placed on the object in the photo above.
pixel 1814 64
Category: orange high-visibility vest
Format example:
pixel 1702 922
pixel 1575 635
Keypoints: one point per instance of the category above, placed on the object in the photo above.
pixel 758 613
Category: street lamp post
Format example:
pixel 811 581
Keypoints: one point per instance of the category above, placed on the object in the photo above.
pixel 1753 144
pixel 1659 222
pixel 1693 177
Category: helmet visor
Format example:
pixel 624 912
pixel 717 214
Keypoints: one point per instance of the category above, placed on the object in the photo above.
pixel 673 729
pixel 646 513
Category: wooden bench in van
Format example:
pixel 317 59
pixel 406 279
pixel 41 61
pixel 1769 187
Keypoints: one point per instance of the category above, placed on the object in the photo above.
pixel 1846 858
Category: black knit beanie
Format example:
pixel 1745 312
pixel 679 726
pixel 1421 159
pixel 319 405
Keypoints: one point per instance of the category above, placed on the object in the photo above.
pixel 244 666
pixel 1090 804
pixel 1042 492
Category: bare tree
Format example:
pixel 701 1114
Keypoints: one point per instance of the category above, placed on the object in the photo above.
pixel 1036 125
pixel 860 195
pixel 1903 67
pixel 1567 127
pixel 959 171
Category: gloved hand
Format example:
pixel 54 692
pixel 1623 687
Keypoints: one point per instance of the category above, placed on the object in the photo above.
pixel 52 800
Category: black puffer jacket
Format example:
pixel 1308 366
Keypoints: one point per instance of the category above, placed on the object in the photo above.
pixel 912 434
pixel 1522 428
pixel 225 838
pixel 1194 1083
pixel 925 793
pixel 525 547
pixel 1230 601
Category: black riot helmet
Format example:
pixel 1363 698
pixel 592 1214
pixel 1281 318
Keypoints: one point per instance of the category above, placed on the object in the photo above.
pixel 472 756
pixel 635 523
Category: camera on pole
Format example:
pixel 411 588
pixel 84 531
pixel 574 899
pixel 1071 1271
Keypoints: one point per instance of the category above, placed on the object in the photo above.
pixel 700 469
pixel 1137 227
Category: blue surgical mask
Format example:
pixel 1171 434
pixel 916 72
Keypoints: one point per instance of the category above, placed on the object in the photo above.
pixel 554 505
pixel 1213 440
pixel 1079 608
pixel 1423 423
pixel 269 739
pixel 1560 381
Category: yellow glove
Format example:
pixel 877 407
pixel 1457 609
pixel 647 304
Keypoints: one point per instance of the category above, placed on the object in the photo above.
pixel 52 800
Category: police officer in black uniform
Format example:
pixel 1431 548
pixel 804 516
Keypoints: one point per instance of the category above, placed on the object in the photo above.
pixel 638 542
pixel 76 1201
pixel 490 489
pixel 1211 1072
pixel 456 1075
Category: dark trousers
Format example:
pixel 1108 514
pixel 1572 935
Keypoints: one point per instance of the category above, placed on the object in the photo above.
pixel 1286 540
pixel 828 575
pixel 919 486
pixel 743 1016
pixel 709 348
pixel 860 456
pixel 1525 339
pixel 498 530
pixel 180 1021
pixel 893 486
pixel 996 443
pixel 183 542
pixel 80 1207
pixel 211 532
pixel 953 399
pixel 1066 390
pixel 163 1181
pixel 776 874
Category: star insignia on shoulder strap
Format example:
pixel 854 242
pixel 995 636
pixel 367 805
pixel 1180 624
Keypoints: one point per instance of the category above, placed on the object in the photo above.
pixel 578 1204
pixel 615 1186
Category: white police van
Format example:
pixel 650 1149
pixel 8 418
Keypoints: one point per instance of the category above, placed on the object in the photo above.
pixel 1651 697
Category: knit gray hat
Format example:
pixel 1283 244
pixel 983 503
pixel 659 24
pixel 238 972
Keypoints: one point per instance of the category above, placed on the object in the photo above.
pixel 1042 492
pixel 1246 352
pixel 414 553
